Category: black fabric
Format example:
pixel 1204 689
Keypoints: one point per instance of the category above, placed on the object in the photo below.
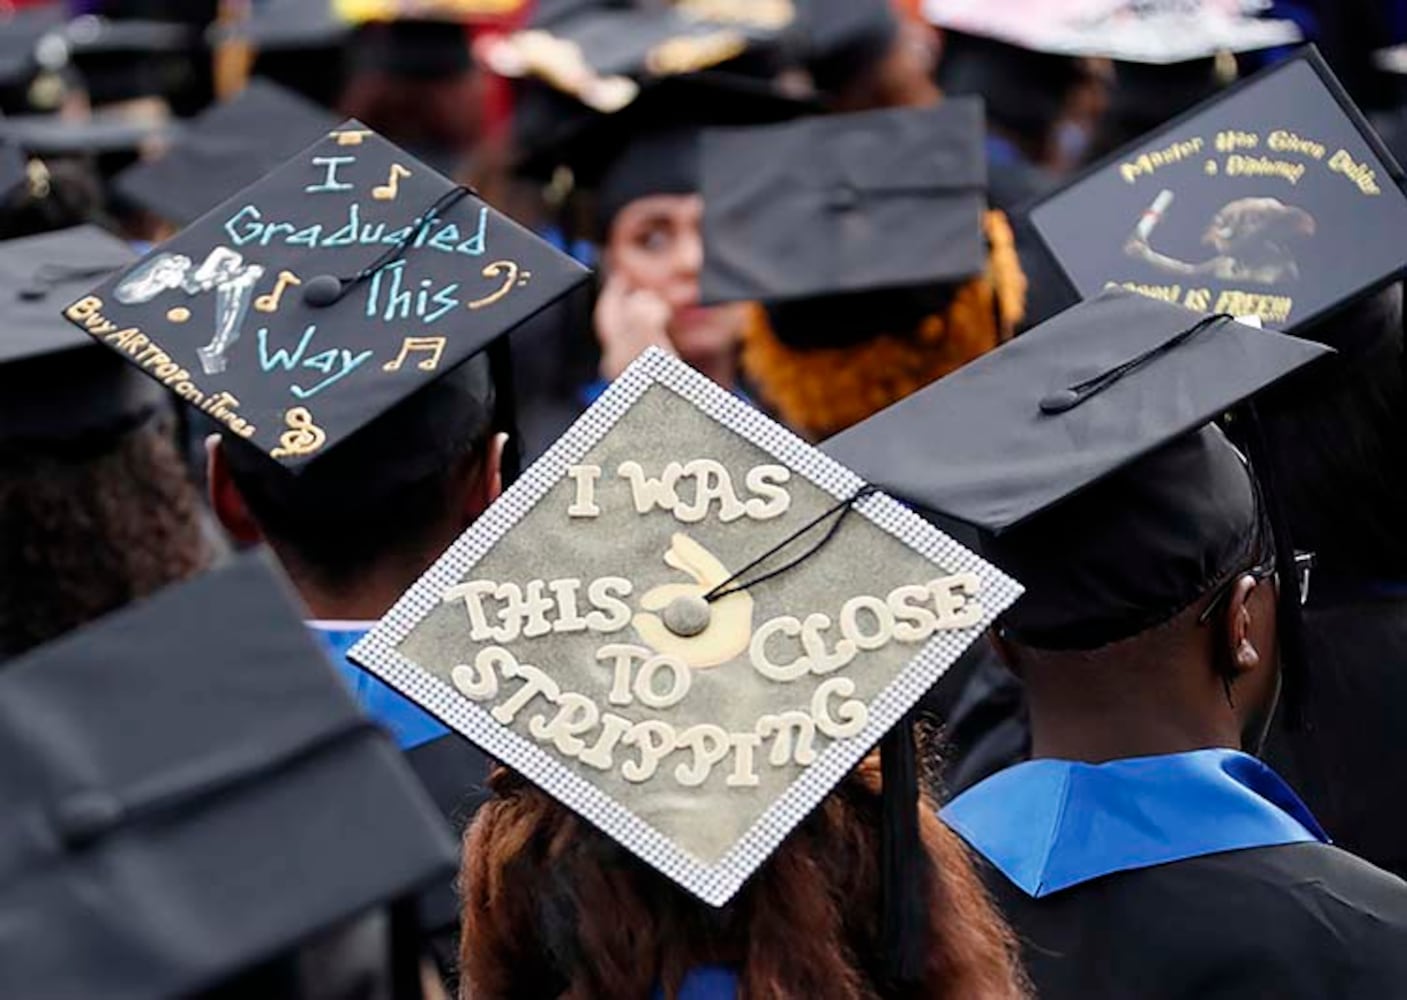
pixel 299 295
pixel 882 200
pixel 1292 922
pixel 1025 92
pixel 416 49
pixel 1355 649
pixel 660 162
pixel 981 707
pixel 845 39
pixel 153 848
pixel 226 148
pixel 1083 452
pixel 55 382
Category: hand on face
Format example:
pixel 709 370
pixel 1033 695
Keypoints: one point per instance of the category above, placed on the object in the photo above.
pixel 628 320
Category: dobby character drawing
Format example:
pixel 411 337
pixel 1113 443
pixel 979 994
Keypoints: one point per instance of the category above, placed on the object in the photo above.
pixel 223 271
pixel 1255 239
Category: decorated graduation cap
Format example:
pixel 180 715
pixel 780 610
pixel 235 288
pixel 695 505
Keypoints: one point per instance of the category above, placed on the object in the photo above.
pixel 56 384
pixel 601 54
pixel 155 848
pixel 315 300
pixel 688 626
pixel 1275 200
pixel 1084 453
pixel 226 148
pixel 874 214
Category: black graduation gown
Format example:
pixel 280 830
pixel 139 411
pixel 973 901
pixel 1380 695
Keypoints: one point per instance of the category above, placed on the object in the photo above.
pixel 1289 922
pixel 1349 770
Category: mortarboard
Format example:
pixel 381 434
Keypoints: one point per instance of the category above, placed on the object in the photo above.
pixel 842 38
pixel 155 847
pixel 1274 199
pixel 104 132
pixel 872 214
pixel 458 11
pixel 601 54
pixel 1082 452
pixel 284 25
pixel 55 383
pixel 416 48
pixel 723 624
pixel 318 298
pixel 228 147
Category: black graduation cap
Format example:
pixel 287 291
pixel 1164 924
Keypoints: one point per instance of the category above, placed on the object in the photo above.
pixel 283 25
pixel 418 49
pixel 602 53
pixel 1274 199
pixel 102 133
pixel 336 286
pixel 824 209
pixel 1082 451
pixel 223 150
pixel 190 792
pixel 55 383
pixel 843 38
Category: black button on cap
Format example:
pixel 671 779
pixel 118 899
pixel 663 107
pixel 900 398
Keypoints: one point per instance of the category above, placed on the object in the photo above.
pixel 85 816
pixel 322 291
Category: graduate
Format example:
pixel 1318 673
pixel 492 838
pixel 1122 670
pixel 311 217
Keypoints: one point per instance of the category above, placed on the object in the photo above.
pixel 341 321
pixel 1143 851
pixel 684 632
pixel 865 253
pixel 96 508
pixel 205 813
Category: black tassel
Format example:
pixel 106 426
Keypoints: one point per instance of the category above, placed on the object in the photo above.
pixel 903 865
pixel 405 950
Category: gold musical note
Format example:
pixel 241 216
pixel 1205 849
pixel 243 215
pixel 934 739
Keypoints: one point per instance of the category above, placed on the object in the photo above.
pixel 516 279
pixel 351 137
pixel 269 303
pixel 392 187
pixel 435 345
pixel 303 436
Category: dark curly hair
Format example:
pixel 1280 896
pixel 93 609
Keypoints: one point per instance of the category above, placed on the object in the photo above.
pixel 83 533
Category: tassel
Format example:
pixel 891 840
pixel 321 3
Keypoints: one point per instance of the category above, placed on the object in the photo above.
pixel 903 868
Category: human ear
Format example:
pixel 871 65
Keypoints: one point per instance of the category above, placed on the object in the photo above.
pixel 225 499
pixel 1241 649
pixel 488 481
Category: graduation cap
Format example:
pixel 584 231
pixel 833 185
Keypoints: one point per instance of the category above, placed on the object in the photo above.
pixel 874 214
pixel 844 38
pixel 226 148
pixel 331 289
pixel 1083 453
pixel 56 384
pixel 287 25
pixel 459 11
pixel 103 133
pixel 415 48
pixel 600 54
pixel 677 548
pixel 1274 199
pixel 156 847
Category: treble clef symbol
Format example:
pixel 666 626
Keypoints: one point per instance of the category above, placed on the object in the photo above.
pixel 303 436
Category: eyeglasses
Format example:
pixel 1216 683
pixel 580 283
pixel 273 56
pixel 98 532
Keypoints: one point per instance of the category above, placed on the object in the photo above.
pixel 1266 570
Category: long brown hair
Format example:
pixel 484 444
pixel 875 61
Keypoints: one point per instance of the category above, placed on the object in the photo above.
pixel 552 907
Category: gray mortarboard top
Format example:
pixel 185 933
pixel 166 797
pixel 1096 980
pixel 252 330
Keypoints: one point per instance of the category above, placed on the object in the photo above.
pixel 55 383
pixel 190 791
pixel 319 297
pixel 287 25
pixel 860 212
pixel 601 54
pixel 103 132
pixel 1082 452
pixel 21 35
pixel 1274 199
pixel 618 628
pixel 226 148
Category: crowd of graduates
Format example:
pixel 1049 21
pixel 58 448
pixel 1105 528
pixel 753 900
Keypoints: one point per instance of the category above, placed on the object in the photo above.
pixel 312 310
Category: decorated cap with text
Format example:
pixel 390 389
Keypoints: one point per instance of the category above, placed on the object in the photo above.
pixel 686 624
pixel 1274 199
pixel 314 300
